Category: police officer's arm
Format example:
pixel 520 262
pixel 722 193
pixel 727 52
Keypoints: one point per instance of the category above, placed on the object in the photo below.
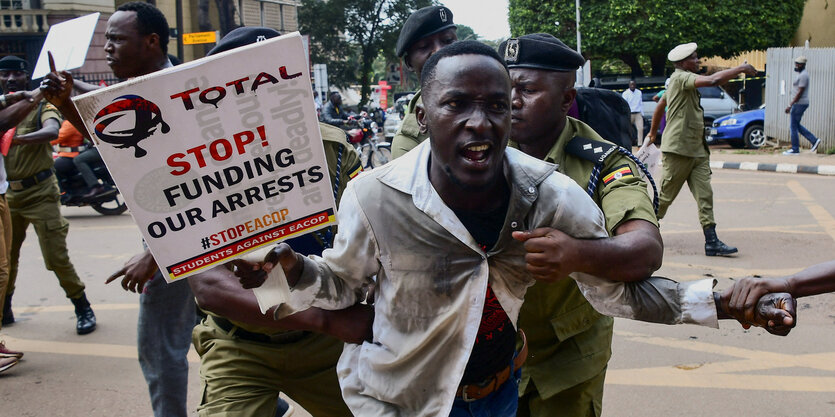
pixel 723 76
pixel 46 134
pixel 656 117
pixel 13 114
pixel 632 254
pixel 216 291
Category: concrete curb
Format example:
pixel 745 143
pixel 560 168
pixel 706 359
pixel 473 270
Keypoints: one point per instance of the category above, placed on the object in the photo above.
pixel 787 168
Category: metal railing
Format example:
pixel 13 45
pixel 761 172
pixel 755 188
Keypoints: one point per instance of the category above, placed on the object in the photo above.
pixel 23 21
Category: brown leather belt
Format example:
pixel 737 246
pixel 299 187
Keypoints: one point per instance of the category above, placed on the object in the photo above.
pixel 472 392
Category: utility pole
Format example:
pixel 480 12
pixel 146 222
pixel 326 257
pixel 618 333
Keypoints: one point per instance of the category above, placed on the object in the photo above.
pixel 580 79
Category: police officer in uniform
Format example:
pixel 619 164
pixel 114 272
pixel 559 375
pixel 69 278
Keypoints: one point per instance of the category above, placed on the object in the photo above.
pixel 33 196
pixel 569 342
pixel 247 358
pixel 684 153
pixel 425 32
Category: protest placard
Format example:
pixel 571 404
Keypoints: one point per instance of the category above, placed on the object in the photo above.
pixel 217 157
pixel 68 41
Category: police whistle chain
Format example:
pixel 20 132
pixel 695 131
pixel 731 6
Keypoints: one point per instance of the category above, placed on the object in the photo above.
pixel 595 176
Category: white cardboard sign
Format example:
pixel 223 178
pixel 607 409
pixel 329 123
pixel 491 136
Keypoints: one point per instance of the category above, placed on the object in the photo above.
pixel 68 41
pixel 217 157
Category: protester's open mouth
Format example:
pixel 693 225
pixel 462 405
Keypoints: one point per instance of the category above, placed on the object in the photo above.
pixel 110 60
pixel 476 154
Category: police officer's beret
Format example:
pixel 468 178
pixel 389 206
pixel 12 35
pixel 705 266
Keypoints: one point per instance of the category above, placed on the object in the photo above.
pixel 682 51
pixel 540 51
pixel 243 36
pixel 13 63
pixel 422 23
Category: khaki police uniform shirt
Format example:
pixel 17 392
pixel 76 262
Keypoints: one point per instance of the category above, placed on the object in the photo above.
pixel 350 167
pixel 685 131
pixel 409 135
pixel 557 312
pixel 24 161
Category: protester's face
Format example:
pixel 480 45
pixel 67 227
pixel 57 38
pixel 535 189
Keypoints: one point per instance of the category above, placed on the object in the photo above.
pixel 632 85
pixel 128 53
pixel 691 63
pixel 540 100
pixel 466 109
pixel 420 51
pixel 799 67
pixel 13 80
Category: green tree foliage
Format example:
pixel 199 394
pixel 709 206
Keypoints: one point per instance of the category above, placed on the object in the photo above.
pixel 628 29
pixel 348 35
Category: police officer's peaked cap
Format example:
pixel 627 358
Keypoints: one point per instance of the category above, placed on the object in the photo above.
pixel 243 36
pixel 13 63
pixel 422 23
pixel 682 51
pixel 540 51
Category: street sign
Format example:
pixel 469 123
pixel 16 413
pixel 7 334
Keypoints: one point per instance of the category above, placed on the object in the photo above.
pixel 196 38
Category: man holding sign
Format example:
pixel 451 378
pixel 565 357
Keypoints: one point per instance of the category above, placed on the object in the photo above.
pixel 137 39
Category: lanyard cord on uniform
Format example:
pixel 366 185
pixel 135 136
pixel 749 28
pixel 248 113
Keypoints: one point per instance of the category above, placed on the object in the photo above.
pixel 327 237
pixel 595 177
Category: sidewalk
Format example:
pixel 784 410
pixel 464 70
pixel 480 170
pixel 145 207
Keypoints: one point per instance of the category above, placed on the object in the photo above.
pixel 771 160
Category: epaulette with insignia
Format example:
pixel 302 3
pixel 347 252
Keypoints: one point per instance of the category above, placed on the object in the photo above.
pixel 588 149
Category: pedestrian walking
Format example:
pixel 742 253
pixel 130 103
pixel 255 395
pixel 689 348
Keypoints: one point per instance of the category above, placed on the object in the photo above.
pixel 798 106
pixel 634 98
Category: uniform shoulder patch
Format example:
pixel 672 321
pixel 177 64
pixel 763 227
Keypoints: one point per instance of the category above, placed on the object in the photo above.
pixel 619 172
pixel 589 149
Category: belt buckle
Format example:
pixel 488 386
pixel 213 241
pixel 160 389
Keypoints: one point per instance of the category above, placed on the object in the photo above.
pixel 16 185
pixel 464 396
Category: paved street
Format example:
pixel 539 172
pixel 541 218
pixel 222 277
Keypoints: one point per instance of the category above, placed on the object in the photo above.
pixel 780 222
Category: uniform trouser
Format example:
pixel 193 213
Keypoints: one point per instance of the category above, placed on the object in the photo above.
pixel 582 400
pixel 795 127
pixel 242 378
pixel 83 162
pixel 167 315
pixel 38 205
pixel 696 172
pixel 5 245
pixel 637 120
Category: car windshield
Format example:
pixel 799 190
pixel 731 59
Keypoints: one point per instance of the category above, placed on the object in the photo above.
pixel 711 92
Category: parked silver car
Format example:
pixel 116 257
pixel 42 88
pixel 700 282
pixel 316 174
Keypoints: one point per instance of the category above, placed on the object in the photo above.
pixel 715 102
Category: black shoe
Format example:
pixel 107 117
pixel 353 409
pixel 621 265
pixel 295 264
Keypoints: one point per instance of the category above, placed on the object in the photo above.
pixel 8 316
pixel 84 314
pixel 94 192
pixel 714 246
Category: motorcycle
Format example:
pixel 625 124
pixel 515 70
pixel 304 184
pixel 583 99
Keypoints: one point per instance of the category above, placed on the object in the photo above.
pixel 73 188
pixel 363 134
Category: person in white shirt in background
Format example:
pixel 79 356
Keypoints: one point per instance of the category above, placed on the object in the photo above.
pixel 633 97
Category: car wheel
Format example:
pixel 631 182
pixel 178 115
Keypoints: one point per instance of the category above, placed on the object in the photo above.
pixel 754 136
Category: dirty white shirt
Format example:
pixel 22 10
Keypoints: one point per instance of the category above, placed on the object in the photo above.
pixel 432 277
